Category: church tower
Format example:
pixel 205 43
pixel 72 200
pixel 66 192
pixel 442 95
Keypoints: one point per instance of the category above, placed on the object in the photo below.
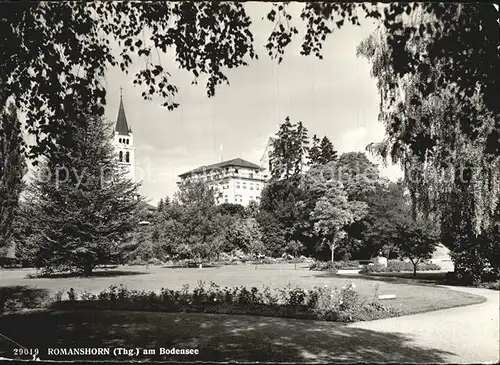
pixel 124 142
pixel 265 161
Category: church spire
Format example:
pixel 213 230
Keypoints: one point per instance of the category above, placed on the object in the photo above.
pixel 121 122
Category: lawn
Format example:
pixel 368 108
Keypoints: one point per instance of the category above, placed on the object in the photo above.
pixel 217 338
pixel 411 296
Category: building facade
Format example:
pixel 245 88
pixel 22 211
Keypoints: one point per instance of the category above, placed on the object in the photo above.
pixel 234 181
pixel 124 143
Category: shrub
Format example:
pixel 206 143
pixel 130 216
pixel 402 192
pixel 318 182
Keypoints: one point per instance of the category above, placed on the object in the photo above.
pixel 13 305
pixel 490 275
pixel 154 261
pixel 266 260
pixel 345 264
pixel 494 285
pixel 489 279
pixel 398 266
pixel 292 297
pixel 71 294
pixel 59 295
pixel 333 266
pixel 324 266
pixel 269 297
pixel 372 268
pixel 369 311
pixel 138 262
pixel 87 295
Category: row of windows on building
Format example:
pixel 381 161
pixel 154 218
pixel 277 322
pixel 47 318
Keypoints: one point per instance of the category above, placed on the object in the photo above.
pixel 243 185
pixel 239 199
pixel 217 172
pixel 127 156
pixel 217 177
pixel 123 140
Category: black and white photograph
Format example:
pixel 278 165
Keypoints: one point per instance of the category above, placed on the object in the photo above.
pixel 249 182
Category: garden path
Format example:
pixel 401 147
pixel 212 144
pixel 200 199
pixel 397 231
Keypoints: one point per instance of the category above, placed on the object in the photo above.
pixel 468 334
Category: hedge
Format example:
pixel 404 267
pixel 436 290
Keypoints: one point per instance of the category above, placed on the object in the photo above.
pixel 398 266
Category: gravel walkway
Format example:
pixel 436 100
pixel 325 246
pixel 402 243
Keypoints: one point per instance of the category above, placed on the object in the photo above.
pixel 463 335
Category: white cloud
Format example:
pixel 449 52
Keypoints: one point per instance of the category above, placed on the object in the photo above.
pixel 353 140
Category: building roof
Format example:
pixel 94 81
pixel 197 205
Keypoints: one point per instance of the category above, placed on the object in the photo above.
pixel 121 122
pixel 236 162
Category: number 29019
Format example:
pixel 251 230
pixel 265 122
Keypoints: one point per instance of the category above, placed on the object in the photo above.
pixel 26 352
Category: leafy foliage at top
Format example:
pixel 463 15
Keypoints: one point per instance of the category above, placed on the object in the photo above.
pixel 53 50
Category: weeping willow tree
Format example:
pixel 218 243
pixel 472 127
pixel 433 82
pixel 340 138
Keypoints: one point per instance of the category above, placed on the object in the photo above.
pixel 442 137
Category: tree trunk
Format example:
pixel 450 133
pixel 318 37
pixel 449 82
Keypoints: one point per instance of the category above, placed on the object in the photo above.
pixel 332 248
pixel 87 269
pixel 414 268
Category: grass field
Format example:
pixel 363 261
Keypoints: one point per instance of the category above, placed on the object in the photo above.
pixel 217 337
pixel 411 296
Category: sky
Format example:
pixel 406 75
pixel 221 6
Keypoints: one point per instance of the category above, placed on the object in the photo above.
pixel 335 96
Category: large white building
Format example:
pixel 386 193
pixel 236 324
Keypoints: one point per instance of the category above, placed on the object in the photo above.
pixel 234 181
pixel 124 143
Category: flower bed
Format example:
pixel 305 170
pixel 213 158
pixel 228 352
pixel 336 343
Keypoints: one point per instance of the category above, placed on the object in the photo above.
pixel 320 303
pixel 398 266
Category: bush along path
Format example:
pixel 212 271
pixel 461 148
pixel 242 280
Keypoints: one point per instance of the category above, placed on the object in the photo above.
pixel 320 303
pixel 392 266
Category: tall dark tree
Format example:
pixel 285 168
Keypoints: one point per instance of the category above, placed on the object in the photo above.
pixel 377 230
pixel 279 199
pixel 274 233
pixel 193 225
pixel 289 151
pixel 12 168
pixel 160 206
pixel 328 152
pixel 81 205
pixel 321 151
